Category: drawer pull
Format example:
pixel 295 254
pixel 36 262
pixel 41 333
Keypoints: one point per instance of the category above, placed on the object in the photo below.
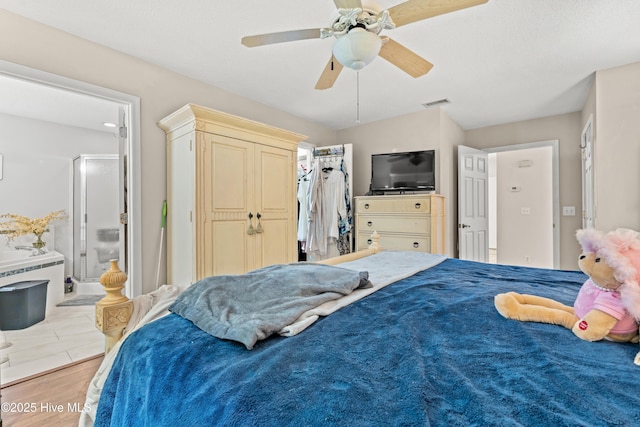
pixel 369 241
pixel 418 205
pixel 416 244
pixel 251 231
pixel 366 205
pixel 369 223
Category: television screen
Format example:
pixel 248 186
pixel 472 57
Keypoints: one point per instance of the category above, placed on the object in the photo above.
pixel 414 170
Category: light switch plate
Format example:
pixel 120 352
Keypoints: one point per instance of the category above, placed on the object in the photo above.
pixel 568 211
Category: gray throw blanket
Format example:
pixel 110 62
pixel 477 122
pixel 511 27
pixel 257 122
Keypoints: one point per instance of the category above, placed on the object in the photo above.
pixel 250 307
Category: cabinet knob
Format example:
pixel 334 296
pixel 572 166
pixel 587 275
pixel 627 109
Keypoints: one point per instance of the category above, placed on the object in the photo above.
pixel 259 226
pixel 369 241
pixel 251 231
pixel 366 205
pixel 418 205
pixel 416 244
pixel 369 223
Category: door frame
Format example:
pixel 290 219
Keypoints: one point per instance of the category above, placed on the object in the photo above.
pixel 131 104
pixel 588 194
pixel 555 177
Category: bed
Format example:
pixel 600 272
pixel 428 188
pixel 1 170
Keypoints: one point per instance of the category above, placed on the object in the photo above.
pixel 426 349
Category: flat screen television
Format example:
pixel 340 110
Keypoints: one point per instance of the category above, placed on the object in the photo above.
pixel 413 170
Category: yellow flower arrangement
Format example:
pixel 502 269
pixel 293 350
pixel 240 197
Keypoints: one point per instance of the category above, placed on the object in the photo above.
pixel 19 225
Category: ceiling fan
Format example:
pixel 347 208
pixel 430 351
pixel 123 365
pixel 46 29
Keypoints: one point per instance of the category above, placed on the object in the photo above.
pixel 357 32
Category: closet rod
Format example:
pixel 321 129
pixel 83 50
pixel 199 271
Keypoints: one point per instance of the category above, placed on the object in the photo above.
pixel 329 151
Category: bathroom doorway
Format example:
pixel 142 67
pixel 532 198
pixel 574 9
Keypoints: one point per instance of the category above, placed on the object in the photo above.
pixel 47 97
pixel 51 115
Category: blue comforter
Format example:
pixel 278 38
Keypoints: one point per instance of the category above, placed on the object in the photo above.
pixel 427 350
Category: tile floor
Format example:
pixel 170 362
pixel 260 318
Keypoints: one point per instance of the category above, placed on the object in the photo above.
pixel 66 335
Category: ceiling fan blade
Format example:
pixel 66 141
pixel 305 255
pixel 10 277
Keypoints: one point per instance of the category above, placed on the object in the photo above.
pixel 405 59
pixel 329 74
pixel 348 4
pixel 285 36
pixel 417 10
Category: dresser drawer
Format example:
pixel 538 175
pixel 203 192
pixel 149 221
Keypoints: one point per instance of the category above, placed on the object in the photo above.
pixel 395 224
pixel 390 242
pixel 382 204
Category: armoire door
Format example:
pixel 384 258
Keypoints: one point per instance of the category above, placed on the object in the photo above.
pixel 227 194
pixel 276 206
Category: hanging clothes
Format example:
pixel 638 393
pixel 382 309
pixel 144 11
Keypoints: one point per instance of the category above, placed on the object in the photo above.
pixel 327 210
pixel 346 222
pixel 303 215
pixel 334 202
pixel 315 220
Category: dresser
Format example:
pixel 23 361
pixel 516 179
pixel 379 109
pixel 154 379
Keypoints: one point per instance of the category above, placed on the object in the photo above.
pixel 404 222
pixel 231 194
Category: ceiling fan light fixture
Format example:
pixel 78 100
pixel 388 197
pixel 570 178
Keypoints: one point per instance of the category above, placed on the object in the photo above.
pixel 357 48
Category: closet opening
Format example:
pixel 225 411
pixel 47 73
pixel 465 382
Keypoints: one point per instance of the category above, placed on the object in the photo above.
pixel 325 201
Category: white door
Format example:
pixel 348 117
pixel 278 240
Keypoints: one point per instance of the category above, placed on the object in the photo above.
pixel 473 208
pixel 588 214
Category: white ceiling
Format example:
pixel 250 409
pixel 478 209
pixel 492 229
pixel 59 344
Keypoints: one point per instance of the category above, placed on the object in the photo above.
pixel 504 61
pixel 25 98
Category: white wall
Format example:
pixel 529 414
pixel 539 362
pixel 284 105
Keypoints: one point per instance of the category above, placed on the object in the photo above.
pixel 566 129
pixel 38 169
pixel 525 217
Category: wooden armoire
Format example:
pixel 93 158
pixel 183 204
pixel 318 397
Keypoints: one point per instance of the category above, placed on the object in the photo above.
pixel 231 194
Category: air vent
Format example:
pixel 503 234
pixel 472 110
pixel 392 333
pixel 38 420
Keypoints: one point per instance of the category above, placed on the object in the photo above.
pixel 436 103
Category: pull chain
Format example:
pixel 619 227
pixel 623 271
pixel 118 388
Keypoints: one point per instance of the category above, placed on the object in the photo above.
pixel 357 97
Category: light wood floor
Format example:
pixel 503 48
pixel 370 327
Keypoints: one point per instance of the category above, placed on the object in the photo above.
pixel 54 398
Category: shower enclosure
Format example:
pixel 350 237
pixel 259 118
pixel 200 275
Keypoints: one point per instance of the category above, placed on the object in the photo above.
pixel 96 210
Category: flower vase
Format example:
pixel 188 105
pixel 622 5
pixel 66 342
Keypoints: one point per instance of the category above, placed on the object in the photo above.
pixel 39 243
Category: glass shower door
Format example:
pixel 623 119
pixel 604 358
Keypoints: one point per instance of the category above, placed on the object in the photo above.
pixel 96 215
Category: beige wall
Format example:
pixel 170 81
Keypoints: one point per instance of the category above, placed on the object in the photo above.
pixel 411 132
pixel 613 101
pixel 433 128
pixel 566 129
pixel 424 130
pixel 34 45
pixel 452 135
pixel 617 148
pixel 615 104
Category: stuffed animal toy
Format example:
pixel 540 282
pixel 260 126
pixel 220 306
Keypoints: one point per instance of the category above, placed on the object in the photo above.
pixel 607 305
